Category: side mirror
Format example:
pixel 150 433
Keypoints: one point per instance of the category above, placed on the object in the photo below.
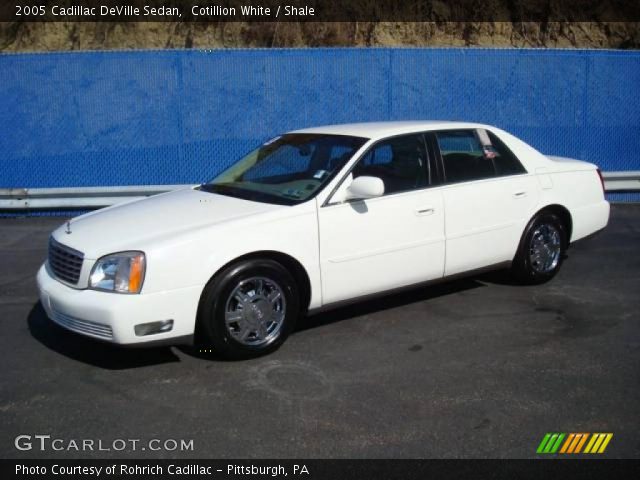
pixel 365 187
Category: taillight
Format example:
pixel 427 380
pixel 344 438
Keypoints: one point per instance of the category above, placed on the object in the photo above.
pixel 601 178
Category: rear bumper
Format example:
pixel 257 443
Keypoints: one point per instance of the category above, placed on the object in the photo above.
pixel 589 219
pixel 588 237
pixel 111 317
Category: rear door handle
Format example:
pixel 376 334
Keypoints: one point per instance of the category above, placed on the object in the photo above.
pixel 520 194
pixel 425 211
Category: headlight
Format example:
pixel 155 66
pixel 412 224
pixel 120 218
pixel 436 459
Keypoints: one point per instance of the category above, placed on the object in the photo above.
pixel 119 272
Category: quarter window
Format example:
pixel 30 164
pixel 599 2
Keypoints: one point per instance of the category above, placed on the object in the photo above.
pixel 401 163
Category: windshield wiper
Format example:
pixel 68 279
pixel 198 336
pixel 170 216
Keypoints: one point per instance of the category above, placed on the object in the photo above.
pixel 207 187
pixel 222 189
pixel 245 194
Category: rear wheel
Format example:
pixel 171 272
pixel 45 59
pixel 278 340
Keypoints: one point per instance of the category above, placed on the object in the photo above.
pixel 248 309
pixel 541 249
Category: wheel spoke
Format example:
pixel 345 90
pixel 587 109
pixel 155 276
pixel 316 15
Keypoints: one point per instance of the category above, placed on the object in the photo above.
pixel 258 286
pixel 261 332
pixel 244 334
pixel 233 317
pixel 242 297
pixel 274 296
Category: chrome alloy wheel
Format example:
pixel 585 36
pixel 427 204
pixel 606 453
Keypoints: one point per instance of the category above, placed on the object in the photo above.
pixel 255 311
pixel 545 248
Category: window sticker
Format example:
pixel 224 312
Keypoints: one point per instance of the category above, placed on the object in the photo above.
pixel 489 151
pixel 291 192
pixel 319 174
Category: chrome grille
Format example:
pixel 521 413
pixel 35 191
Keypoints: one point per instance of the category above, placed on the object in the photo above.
pixel 86 327
pixel 65 262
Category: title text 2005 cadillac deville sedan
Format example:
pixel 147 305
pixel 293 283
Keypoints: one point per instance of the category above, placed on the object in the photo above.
pixel 312 218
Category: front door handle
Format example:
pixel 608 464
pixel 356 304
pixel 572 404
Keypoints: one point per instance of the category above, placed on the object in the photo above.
pixel 425 211
pixel 520 194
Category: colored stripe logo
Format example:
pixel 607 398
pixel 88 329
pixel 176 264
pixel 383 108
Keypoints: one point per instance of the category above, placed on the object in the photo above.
pixel 574 443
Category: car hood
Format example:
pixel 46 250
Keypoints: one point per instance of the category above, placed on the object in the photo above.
pixel 132 225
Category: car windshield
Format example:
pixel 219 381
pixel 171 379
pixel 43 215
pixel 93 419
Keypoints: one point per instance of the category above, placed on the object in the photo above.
pixel 288 169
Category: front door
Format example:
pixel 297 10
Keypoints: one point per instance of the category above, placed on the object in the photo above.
pixel 372 245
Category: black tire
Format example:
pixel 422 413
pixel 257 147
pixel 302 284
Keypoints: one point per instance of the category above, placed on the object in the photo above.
pixel 529 272
pixel 212 332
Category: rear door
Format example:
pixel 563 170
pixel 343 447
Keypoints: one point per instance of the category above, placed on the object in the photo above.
pixel 487 196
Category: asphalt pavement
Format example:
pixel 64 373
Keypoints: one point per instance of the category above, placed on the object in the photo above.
pixel 477 367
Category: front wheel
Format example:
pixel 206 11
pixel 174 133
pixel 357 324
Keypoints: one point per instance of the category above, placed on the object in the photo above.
pixel 541 250
pixel 248 309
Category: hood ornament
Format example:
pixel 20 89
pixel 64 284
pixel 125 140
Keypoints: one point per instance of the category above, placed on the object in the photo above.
pixel 68 230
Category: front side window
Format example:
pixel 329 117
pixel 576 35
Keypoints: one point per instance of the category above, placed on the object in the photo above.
pixel 463 156
pixel 401 163
pixel 288 169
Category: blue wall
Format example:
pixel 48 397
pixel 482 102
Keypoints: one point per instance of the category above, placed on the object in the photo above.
pixel 162 117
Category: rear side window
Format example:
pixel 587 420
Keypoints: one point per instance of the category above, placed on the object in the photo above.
pixel 463 156
pixel 505 161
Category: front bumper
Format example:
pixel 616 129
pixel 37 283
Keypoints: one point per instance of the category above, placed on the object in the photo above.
pixel 111 317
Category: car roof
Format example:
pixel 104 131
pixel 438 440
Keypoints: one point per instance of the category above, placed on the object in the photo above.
pixel 374 130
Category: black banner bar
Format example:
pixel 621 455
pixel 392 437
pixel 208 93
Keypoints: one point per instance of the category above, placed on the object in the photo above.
pixel 319 11
pixel 323 469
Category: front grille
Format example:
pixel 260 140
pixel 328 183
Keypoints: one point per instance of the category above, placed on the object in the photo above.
pixel 86 327
pixel 65 262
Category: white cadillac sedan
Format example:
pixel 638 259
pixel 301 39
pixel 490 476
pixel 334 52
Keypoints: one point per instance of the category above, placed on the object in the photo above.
pixel 313 218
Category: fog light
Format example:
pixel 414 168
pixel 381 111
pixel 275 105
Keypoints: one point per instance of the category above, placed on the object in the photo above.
pixel 153 327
